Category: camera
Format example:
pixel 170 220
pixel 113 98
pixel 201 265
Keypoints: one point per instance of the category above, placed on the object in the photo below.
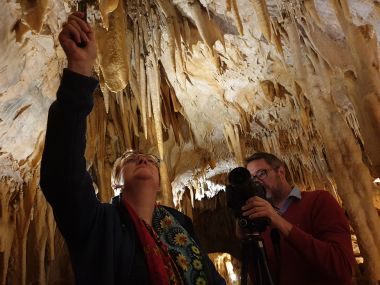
pixel 241 188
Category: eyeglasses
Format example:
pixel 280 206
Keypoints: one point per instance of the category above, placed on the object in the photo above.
pixel 261 174
pixel 132 156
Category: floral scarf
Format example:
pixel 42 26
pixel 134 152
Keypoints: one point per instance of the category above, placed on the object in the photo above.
pixel 173 257
pixel 182 247
pixel 156 253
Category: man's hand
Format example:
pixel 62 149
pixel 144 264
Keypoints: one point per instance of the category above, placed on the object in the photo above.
pixel 74 33
pixel 256 207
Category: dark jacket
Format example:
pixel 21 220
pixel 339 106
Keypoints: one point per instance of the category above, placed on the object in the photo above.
pixel 102 241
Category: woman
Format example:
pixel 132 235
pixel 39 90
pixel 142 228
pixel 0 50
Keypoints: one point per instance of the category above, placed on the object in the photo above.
pixel 132 240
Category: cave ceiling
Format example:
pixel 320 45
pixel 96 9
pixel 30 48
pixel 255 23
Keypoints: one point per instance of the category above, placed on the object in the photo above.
pixel 211 81
pixel 203 84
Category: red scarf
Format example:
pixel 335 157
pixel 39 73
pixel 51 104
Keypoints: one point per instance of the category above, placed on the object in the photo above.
pixel 156 253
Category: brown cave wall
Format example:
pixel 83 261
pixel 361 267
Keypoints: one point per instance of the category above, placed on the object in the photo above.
pixel 202 86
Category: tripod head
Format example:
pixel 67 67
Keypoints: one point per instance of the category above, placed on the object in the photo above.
pixel 253 252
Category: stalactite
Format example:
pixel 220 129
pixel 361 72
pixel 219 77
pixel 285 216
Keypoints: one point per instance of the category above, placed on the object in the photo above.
pixel 122 133
pixel 96 148
pixel 154 59
pixel 276 38
pixel 295 45
pixel 166 192
pixel 268 89
pixel 353 123
pixel 187 33
pixel 106 7
pixel 34 13
pixel 134 87
pixel 354 185
pixel 172 42
pixel 244 118
pixel 22 227
pixel 154 80
pixel 261 9
pixel 232 137
pixel 187 203
pixel 137 50
pixel 7 222
pixel 208 30
pixel 232 4
pixel 42 235
pixel 143 89
pixel 128 120
pixel 348 157
pixel 113 50
pixel 312 11
pixel 365 94
pixel 21 29
pixel 335 53
pixel 173 22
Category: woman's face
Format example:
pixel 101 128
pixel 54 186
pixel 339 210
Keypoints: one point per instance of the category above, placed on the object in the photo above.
pixel 138 167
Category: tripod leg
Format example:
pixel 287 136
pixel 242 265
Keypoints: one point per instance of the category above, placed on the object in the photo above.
pixel 257 268
pixel 253 252
pixel 264 263
pixel 244 262
pixel 251 259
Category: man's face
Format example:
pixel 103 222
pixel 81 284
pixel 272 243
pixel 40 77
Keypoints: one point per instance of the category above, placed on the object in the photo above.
pixel 266 175
pixel 138 167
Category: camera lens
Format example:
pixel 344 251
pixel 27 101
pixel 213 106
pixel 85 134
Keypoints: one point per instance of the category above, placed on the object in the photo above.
pixel 239 175
pixel 243 222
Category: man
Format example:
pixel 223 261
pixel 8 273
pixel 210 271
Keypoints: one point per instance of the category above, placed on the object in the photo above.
pixel 134 240
pixel 314 238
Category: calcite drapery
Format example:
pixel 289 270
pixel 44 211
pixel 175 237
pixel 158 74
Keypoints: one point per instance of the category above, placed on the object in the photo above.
pixel 202 84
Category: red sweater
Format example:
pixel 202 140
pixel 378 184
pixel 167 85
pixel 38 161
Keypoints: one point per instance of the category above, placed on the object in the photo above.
pixel 318 249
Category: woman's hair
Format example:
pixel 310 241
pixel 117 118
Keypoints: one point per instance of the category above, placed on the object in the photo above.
pixel 117 177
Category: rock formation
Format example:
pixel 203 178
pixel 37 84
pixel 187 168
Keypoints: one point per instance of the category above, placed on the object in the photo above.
pixel 203 84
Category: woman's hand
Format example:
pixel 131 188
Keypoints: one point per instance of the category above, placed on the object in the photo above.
pixel 78 41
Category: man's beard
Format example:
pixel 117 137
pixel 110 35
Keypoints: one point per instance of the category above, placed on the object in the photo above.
pixel 275 192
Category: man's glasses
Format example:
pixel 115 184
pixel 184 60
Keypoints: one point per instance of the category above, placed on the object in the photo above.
pixel 261 174
pixel 134 157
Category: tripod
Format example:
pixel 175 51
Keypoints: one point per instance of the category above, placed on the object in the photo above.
pixel 253 248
